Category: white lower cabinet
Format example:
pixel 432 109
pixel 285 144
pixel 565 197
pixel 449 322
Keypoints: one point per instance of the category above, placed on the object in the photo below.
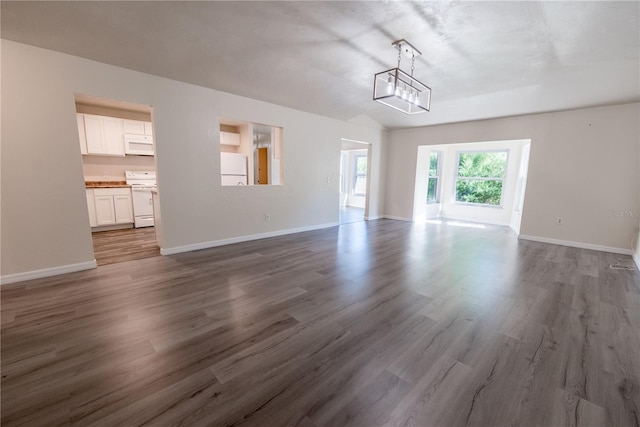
pixel 112 206
pixel 124 208
pixel 91 207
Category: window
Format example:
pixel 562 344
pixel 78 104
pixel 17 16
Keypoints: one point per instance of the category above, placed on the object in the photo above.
pixel 434 177
pixel 360 176
pixel 480 177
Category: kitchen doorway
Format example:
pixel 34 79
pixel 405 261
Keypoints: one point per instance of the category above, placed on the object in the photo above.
pixel 354 181
pixel 118 161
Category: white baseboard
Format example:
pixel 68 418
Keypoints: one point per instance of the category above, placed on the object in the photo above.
pixel 240 239
pixel 374 217
pixel 47 272
pixel 398 218
pixel 577 244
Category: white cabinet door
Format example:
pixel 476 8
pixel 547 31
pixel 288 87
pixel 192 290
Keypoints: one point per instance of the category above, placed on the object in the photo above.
pixel 135 127
pixel 113 206
pixel 93 132
pixel 113 136
pixel 228 138
pixel 103 135
pixel 123 208
pixel 91 207
pixel 81 133
pixel 105 210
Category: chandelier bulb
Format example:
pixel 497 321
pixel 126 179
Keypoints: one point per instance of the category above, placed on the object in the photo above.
pixel 389 85
pixel 405 93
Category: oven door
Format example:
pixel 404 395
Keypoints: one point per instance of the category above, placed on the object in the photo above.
pixel 142 201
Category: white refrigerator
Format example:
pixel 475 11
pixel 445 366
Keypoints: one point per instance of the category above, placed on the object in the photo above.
pixel 233 169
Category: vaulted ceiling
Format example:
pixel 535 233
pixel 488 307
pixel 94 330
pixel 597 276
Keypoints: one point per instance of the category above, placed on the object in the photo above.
pixel 481 59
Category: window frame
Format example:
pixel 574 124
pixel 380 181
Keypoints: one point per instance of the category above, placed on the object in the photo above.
pixel 502 179
pixel 437 177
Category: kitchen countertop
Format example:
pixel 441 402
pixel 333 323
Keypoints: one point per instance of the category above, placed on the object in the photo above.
pixel 106 184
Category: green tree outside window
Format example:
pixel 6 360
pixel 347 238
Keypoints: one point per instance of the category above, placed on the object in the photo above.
pixel 480 177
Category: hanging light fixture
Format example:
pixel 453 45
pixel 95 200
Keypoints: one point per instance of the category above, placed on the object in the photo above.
pixel 400 90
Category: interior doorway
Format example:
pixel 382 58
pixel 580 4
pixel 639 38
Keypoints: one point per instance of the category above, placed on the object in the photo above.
pixel 119 167
pixel 354 181
pixel 263 166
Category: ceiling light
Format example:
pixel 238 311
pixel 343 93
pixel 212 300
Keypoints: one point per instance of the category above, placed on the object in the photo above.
pixel 400 90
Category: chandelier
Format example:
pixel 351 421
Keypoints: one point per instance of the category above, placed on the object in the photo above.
pixel 400 90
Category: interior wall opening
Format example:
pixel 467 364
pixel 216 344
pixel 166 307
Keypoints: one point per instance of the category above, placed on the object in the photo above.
pixel 354 181
pixel 250 153
pixel 116 141
pixel 483 182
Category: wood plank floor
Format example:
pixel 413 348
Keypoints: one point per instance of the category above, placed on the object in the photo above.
pixel 379 323
pixel 114 246
pixel 349 214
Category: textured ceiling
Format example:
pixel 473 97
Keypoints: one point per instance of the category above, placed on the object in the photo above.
pixel 481 59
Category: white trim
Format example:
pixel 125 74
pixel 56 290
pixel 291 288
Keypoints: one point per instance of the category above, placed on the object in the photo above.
pixel 636 258
pixel 240 239
pixel 398 218
pixel 577 244
pixel 373 217
pixel 47 272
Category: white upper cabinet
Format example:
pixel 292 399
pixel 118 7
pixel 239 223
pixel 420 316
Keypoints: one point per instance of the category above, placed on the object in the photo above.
pixel 81 133
pixel 104 135
pixel 229 138
pixel 137 127
pixel 93 132
pixel 113 136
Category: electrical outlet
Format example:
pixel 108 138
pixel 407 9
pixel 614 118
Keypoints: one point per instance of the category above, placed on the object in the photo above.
pixel 559 221
pixel 267 217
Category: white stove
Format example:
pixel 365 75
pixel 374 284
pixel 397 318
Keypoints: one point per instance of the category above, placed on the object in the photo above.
pixel 142 182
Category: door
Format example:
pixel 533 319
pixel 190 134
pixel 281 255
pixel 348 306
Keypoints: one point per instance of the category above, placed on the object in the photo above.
pixel 263 166
pixel 105 210
pixel 93 132
pixel 233 164
pixel 113 137
pixel 123 209
pixel 142 202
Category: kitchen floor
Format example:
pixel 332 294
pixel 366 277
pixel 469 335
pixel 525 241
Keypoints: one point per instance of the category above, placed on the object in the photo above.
pixel 115 246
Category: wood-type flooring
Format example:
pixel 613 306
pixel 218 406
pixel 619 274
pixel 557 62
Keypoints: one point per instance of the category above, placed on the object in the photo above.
pixel 114 246
pixel 349 214
pixel 378 323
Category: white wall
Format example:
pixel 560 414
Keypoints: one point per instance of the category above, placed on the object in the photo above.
pixel 45 223
pixel 106 168
pixel 583 164
pixel 636 255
